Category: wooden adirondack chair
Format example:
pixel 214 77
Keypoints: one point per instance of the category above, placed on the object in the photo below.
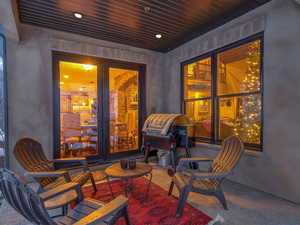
pixel 207 183
pixel 30 155
pixel 32 205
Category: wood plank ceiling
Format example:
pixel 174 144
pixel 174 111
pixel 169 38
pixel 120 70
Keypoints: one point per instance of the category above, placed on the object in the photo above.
pixel 135 22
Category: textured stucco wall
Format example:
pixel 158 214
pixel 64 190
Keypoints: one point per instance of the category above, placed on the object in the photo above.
pixel 276 170
pixel 8 21
pixel 30 79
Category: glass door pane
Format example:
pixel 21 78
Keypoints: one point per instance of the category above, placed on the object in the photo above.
pixel 78 109
pixel 123 109
pixel 2 105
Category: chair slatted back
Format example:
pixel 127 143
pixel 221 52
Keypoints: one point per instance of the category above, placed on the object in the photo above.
pixel 231 151
pixel 23 199
pixel 30 155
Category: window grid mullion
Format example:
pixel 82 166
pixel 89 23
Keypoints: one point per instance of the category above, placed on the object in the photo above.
pixel 215 111
pixel 239 94
pixel 196 99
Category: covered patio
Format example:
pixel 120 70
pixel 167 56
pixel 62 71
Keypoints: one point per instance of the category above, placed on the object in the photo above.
pixel 149 112
pixel 247 205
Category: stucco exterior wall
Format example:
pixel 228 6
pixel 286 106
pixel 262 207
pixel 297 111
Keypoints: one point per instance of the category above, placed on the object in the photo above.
pixel 276 169
pixel 30 79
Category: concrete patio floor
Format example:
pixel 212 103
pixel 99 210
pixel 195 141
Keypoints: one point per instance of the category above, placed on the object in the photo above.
pixel 247 206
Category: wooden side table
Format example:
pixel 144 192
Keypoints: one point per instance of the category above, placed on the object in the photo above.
pixel 142 169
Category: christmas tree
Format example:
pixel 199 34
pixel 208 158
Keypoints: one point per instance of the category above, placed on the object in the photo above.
pixel 247 125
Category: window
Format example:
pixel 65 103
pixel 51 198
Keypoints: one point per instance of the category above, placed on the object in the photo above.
pixel 3 120
pixel 222 93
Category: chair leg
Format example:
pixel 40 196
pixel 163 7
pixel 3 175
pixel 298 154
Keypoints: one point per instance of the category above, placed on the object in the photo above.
pixel 93 183
pixel 173 159
pixel 220 196
pixel 182 199
pixel 64 210
pixel 126 217
pixel 110 187
pixel 171 188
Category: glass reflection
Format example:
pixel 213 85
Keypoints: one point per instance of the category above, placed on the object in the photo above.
pixel 2 105
pixel 78 109
pixel 241 116
pixel 123 106
pixel 197 79
pixel 200 114
pixel 239 69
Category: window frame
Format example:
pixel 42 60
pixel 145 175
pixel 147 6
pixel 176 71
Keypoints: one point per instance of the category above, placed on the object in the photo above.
pixel 215 115
pixel 5 101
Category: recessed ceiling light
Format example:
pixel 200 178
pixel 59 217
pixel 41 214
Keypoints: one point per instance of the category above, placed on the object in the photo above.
pixel 147 9
pixel 61 83
pixel 66 76
pixel 158 36
pixel 78 15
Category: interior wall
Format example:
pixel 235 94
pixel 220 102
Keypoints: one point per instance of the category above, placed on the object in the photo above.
pixel 276 169
pixel 30 79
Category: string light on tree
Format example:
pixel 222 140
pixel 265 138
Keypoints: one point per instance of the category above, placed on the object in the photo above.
pixel 247 124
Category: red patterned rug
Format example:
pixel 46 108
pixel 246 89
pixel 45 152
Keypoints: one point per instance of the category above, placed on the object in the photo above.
pixel 158 209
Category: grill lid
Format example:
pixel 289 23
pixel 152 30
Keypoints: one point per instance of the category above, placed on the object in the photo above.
pixel 160 124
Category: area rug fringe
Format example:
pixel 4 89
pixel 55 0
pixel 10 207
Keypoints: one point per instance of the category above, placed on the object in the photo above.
pixel 217 220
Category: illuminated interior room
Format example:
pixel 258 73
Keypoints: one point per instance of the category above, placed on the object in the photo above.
pixel 238 100
pixel 123 104
pixel 78 109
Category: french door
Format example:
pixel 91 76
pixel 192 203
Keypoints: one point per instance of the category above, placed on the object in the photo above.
pixel 124 109
pixel 98 106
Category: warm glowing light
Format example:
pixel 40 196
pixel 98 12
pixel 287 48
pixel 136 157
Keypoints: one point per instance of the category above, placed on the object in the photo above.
pixel 80 89
pixel 78 15
pixel 248 126
pixel 158 36
pixel 87 66
pixel 61 83
pixel 66 76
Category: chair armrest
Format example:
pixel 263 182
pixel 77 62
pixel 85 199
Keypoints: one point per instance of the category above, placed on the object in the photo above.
pixel 61 189
pixel 61 173
pixel 66 160
pixel 184 161
pixel 81 160
pixel 202 175
pixel 196 159
pixel 104 212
